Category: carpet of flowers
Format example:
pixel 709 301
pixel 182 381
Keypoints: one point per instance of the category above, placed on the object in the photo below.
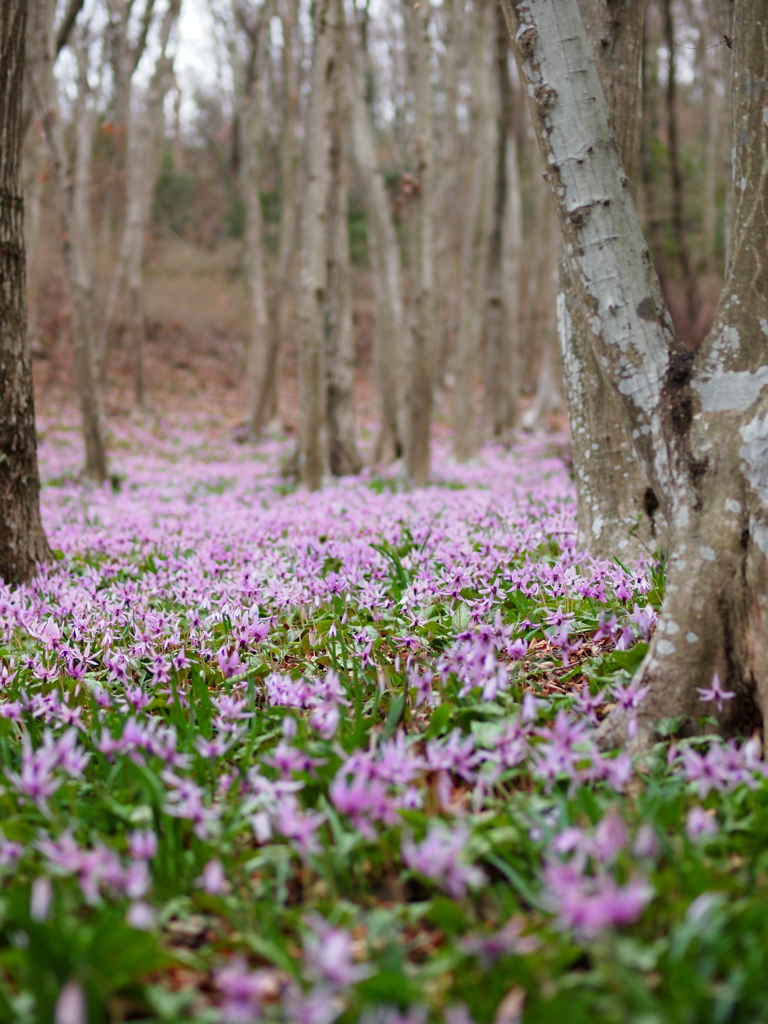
pixel 267 755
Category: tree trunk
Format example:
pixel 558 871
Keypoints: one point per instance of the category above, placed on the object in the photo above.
pixel 248 73
pixel 343 455
pixel 313 427
pixel 417 452
pixel 652 130
pixel 544 315
pixel 475 248
pixel 693 302
pixel 448 176
pixel 40 46
pixel 385 258
pixel 699 420
pixel 22 540
pixel 617 510
pixel 502 359
pixel 78 275
pixel 265 403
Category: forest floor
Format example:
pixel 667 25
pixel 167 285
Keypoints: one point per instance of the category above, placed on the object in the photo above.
pixel 272 755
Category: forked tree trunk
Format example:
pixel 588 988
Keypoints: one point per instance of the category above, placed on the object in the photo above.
pixel 385 258
pixel 699 421
pixel 419 409
pixel 617 510
pixel 475 249
pixel 22 540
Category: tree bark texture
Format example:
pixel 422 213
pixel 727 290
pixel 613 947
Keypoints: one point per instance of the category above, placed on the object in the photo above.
pixel 265 404
pixel 22 541
pixel 617 511
pixel 541 313
pixel 79 279
pixel 417 452
pixel 502 353
pixel 344 457
pixel 248 73
pixel 40 43
pixel 475 249
pixel 698 420
pixel 692 299
pixel 313 427
pixel 386 261
pixel 447 180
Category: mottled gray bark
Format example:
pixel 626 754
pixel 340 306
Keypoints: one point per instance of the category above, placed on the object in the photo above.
pixel 617 510
pixel 698 420
pixel 22 540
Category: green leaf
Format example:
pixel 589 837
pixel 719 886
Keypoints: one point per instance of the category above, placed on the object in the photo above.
pixel 395 713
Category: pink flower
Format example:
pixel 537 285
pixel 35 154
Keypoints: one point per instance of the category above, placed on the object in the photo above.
pixel 213 879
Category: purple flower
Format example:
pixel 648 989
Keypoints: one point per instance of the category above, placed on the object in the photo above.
pixel 141 916
pixel 329 954
pixel 442 857
pixel 244 992
pixel 699 823
pixel 715 693
pixel 40 901
pixel 71 1007
pixel 589 904
pixel 213 878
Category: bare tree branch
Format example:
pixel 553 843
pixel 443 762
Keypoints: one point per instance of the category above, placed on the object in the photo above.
pixel 67 24
pixel 141 42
